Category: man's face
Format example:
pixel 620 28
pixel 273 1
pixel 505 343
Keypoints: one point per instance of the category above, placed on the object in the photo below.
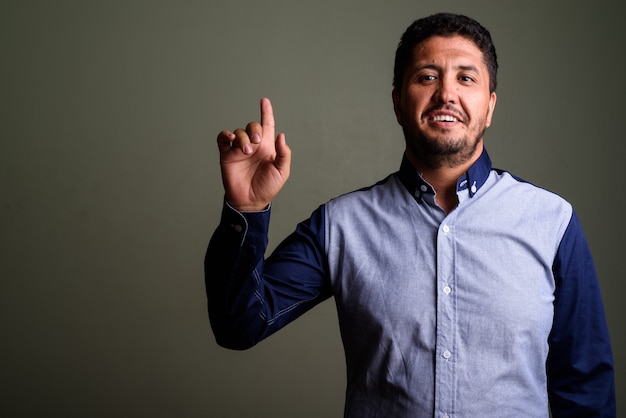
pixel 445 105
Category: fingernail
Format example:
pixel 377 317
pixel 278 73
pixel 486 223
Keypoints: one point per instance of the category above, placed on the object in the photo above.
pixel 247 149
pixel 256 138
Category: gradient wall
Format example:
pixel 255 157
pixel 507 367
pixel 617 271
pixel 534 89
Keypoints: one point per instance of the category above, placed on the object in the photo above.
pixel 110 184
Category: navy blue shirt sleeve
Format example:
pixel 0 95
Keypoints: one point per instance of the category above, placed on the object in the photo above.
pixel 580 364
pixel 250 298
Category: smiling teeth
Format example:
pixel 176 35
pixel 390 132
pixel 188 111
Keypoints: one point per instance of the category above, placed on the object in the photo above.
pixel 444 118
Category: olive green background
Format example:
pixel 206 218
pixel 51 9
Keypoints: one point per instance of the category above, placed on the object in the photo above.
pixel 110 184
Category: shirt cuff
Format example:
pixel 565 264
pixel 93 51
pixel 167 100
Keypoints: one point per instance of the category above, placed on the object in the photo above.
pixel 249 226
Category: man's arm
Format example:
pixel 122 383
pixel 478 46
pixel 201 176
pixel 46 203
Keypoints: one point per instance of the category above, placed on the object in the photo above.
pixel 580 363
pixel 248 298
pixel 255 165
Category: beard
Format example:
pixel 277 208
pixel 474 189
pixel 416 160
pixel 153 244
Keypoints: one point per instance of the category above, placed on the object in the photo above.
pixel 442 150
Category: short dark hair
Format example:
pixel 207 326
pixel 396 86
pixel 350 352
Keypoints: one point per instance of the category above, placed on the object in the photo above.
pixel 444 24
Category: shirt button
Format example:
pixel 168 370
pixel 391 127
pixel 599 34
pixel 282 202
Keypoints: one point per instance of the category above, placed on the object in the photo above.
pixel 446 229
pixel 446 354
pixel 424 188
pixel 447 290
pixel 237 227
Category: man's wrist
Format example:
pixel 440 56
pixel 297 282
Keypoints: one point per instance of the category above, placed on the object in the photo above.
pixel 247 208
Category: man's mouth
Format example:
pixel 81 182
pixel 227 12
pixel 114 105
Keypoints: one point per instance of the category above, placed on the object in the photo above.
pixel 444 118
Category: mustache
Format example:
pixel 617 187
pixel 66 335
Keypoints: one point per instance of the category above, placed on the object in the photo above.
pixel 459 114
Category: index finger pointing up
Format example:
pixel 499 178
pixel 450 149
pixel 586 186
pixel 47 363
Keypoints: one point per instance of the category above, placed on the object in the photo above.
pixel 267 115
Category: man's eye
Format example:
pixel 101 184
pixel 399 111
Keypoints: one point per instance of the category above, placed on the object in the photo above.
pixel 466 79
pixel 427 77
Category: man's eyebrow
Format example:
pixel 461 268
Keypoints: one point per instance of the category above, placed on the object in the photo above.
pixel 428 66
pixel 468 68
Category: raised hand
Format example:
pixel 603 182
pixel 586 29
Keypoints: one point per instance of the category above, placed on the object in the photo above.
pixel 255 164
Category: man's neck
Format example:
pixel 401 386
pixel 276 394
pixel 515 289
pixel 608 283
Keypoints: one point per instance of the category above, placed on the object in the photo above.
pixel 444 179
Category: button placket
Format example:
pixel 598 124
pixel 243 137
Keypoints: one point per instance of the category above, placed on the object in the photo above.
pixel 446 313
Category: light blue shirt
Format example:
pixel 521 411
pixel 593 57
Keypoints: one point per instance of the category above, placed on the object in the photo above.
pixel 491 310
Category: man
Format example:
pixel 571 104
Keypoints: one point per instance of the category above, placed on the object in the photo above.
pixel 462 291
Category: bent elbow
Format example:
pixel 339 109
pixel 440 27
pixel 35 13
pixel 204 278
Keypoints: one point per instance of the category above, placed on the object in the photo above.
pixel 234 335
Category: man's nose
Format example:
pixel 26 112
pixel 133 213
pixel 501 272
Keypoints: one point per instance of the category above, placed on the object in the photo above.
pixel 446 91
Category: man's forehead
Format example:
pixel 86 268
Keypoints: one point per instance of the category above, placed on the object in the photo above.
pixel 456 48
pixel 439 43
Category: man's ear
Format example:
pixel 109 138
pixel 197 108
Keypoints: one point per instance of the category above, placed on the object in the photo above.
pixel 395 96
pixel 490 109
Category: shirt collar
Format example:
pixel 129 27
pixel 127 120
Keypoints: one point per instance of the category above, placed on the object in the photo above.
pixel 472 180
